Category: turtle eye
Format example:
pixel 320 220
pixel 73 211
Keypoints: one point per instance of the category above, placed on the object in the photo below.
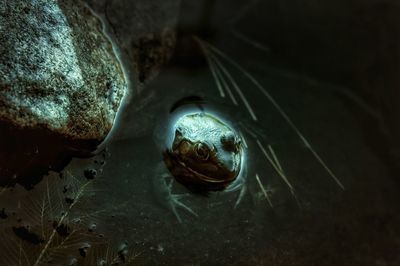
pixel 202 151
pixel 228 141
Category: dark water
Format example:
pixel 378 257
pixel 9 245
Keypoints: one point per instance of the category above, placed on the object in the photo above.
pixel 118 215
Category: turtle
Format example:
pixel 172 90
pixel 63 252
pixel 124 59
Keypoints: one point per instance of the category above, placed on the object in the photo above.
pixel 204 153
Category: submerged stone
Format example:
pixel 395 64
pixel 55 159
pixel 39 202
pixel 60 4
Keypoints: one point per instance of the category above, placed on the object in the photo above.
pixel 61 83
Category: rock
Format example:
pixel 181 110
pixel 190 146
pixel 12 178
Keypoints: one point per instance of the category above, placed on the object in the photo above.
pixel 61 84
pixel 90 174
pixel 57 69
pixel 145 30
pixel 92 227
pixel 83 250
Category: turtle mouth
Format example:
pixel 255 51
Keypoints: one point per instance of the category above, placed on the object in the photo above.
pixel 209 179
pixel 199 177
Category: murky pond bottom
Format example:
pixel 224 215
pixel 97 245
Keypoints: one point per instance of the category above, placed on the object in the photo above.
pixel 109 209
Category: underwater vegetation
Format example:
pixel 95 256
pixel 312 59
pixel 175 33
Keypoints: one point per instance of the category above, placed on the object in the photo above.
pixel 52 224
